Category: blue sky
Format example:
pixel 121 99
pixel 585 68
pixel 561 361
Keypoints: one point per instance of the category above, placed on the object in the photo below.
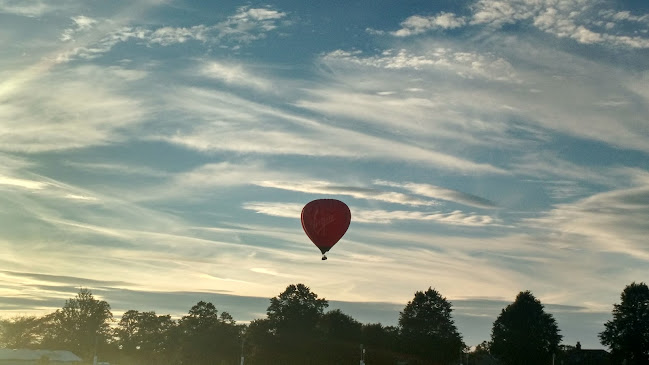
pixel 159 153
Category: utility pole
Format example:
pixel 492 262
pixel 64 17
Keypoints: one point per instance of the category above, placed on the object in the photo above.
pixel 362 355
pixel 94 359
pixel 243 340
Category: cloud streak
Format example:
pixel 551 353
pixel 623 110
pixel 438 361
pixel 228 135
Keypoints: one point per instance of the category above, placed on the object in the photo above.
pixel 436 192
pixel 456 218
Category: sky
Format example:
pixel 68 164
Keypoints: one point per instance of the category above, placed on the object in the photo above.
pixel 159 152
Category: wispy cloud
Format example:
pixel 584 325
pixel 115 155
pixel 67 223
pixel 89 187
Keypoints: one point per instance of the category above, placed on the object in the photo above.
pixel 234 74
pixel 462 63
pixel 22 183
pixel 38 120
pixel 358 192
pixel 239 125
pixel 81 23
pixel 613 221
pixel 437 192
pixel 33 8
pixel 245 26
pixel 459 218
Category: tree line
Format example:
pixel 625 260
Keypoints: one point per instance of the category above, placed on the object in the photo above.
pixel 297 330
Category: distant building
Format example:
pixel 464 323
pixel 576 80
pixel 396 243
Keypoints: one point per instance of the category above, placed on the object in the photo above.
pixel 578 356
pixel 37 357
pixel 483 359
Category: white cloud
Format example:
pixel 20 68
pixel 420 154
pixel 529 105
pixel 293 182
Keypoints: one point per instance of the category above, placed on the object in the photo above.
pixel 478 113
pixel 234 124
pixel 325 187
pixel 22 183
pixel 81 23
pixel 437 192
pixel 224 174
pixel 565 19
pixel 247 14
pixel 417 24
pixel 234 74
pixel 455 218
pixel 39 120
pixel 251 23
pixel 169 35
pixel 462 63
pixel 84 22
pixel 31 8
pixel 118 169
pixel 614 221
pixel 80 197
pixel 245 26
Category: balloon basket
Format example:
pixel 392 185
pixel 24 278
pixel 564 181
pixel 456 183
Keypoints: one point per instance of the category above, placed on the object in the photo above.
pixel 324 257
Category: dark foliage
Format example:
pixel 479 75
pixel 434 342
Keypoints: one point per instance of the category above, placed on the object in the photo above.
pixel 524 334
pixel 297 330
pixel 20 332
pixel 79 326
pixel 627 334
pixel 428 330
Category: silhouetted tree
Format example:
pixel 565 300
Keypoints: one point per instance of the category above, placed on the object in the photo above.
pixel 381 343
pixel 341 336
pixel 20 332
pixel 206 337
pixel 524 334
pixel 144 336
pixel 428 330
pixel 338 326
pixel 81 325
pixel 293 316
pixel 296 311
pixel 627 334
pixel 480 353
pixel 260 343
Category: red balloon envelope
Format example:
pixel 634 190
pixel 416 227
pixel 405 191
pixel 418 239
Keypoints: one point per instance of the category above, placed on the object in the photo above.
pixel 325 221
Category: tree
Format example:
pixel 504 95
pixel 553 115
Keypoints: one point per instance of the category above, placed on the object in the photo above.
pixel 428 330
pixel 20 332
pixel 627 334
pixel 260 343
pixel 144 336
pixel 293 317
pixel 524 334
pixel 480 353
pixel 341 334
pixel 340 327
pixel 206 337
pixel 296 311
pixel 81 325
pixel 381 343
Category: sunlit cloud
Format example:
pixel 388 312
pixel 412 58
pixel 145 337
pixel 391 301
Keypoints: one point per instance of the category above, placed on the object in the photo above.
pixel 38 120
pixel 238 125
pixel 33 8
pixel 22 183
pixel 234 75
pixel 324 187
pixel 584 21
pixel 437 192
pixel 289 210
pixel 613 221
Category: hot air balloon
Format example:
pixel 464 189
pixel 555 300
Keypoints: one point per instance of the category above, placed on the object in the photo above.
pixel 325 221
